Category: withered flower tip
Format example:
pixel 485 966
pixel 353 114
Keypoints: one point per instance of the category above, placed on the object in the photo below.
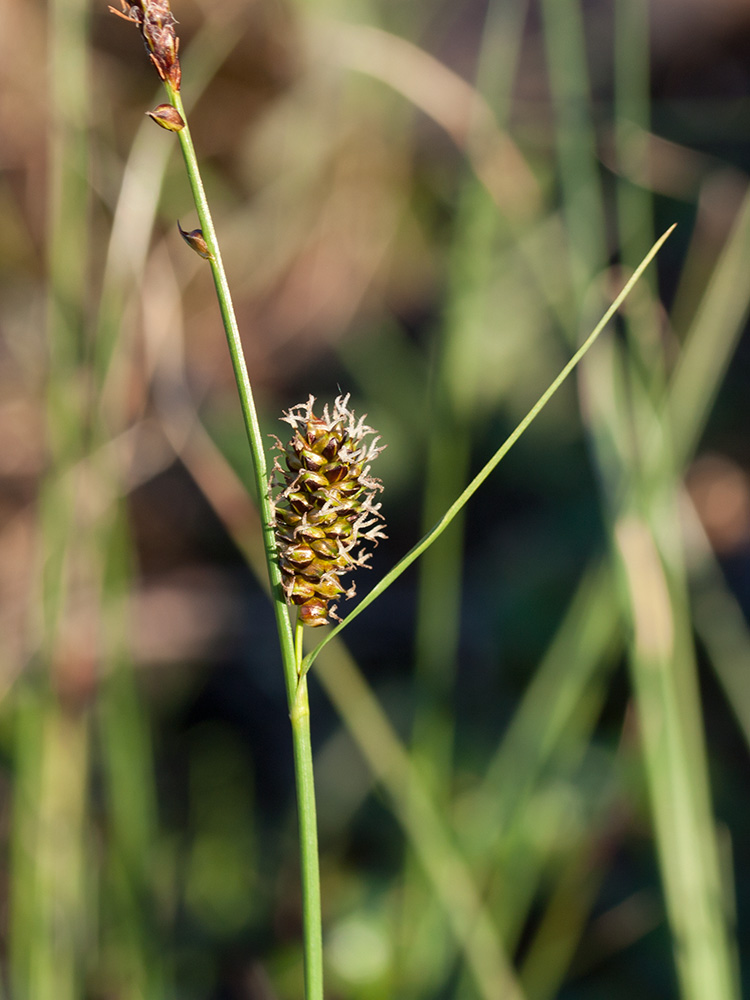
pixel 324 509
pixel 196 241
pixel 156 23
pixel 168 117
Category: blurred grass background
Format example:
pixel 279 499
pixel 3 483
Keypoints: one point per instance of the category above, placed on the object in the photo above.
pixel 428 205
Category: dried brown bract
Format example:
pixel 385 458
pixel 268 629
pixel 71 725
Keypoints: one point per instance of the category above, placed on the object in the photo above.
pixel 196 241
pixel 156 23
pixel 167 117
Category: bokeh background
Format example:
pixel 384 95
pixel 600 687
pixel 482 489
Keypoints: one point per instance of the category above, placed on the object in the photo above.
pixel 428 205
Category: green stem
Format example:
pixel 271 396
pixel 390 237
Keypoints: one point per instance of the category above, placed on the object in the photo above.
pixel 291 647
pixel 247 402
pixel 308 833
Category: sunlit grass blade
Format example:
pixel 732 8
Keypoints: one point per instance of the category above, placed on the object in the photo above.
pixel 673 746
pixel 719 620
pixel 502 451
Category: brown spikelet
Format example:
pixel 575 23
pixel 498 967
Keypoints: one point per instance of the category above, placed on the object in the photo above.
pixel 167 117
pixel 196 241
pixel 324 509
pixel 156 23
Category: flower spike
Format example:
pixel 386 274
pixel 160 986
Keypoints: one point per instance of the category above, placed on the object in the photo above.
pixel 156 23
pixel 324 509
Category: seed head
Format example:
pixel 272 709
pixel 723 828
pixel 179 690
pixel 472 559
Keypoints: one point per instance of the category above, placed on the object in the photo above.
pixel 156 23
pixel 324 507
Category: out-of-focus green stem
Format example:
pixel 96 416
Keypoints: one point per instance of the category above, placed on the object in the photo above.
pixel 291 650
pixel 48 942
pixel 674 754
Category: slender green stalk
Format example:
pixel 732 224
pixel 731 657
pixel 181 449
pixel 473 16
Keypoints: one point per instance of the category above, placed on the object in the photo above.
pixel 247 402
pixel 308 833
pixel 469 918
pixel 426 826
pixel 291 649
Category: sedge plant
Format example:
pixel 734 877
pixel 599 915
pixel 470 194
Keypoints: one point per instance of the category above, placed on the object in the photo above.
pixel 317 508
